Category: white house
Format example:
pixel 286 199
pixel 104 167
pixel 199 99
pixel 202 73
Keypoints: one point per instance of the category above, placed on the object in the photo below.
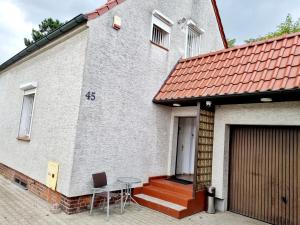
pixel 81 98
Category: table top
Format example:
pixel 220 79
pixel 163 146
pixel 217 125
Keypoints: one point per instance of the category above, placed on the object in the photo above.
pixel 129 180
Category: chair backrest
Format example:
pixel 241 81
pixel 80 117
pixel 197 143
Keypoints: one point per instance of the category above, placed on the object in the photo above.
pixel 99 180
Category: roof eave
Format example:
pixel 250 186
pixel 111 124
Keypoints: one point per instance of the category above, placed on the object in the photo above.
pixel 281 95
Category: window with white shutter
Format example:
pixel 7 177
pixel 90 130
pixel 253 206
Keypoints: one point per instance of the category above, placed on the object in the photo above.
pixel 193 40
pixel 161 29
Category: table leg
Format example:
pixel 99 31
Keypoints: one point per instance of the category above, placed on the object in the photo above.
pixel 107 210
pixel 126 198
pixel 130 196
pixel 134 201
pixel 122 201
pixel 92 204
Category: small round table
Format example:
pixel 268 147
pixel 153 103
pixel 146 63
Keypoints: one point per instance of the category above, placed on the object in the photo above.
pixel 129 182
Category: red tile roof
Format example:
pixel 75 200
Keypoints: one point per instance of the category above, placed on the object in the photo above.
pixel 103 9
pixel 265 66
pixel 112 3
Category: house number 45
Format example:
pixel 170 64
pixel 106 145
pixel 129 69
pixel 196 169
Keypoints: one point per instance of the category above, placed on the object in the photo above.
pixel 91 96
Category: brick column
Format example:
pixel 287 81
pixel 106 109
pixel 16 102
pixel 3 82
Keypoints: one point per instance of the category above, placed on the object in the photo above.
pixel 205 149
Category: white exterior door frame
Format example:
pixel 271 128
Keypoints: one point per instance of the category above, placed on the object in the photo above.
pixel 190 111
pixel 186 146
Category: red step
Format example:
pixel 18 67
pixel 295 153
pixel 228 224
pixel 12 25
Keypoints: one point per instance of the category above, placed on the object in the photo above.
pixel 164 194
pixel 169 185
pixel 173 199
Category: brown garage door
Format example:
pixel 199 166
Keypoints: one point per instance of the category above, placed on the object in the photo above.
pixel 264 173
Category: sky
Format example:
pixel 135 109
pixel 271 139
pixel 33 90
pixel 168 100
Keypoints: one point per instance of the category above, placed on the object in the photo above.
pixel 242 19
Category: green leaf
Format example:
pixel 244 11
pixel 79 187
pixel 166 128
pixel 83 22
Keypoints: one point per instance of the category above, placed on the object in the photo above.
pixel 286 27
pixel 231 42
pixel 45 27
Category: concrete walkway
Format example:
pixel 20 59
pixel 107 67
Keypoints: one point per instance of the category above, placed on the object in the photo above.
pixel 20 207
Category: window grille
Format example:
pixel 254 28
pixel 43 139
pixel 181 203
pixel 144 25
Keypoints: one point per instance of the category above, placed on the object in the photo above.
pixel 160 36
pixel 160 29
pixel 193 42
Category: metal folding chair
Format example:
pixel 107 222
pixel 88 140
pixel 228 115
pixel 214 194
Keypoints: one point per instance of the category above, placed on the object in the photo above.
pixel 106 191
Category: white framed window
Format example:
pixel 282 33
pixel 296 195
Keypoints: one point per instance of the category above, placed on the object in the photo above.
pixel 193 40
pixel 26 115
pixel 161 29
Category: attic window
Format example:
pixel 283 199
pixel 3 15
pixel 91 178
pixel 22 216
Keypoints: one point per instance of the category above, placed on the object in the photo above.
pixel 193 40
pixel 160 29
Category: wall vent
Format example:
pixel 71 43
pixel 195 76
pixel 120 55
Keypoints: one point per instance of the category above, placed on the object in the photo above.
pixel 21 183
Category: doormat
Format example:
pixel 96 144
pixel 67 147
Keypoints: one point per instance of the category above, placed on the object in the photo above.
pixel 180 181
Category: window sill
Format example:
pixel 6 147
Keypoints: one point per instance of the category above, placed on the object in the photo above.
pixel 24 138
pixel 164 48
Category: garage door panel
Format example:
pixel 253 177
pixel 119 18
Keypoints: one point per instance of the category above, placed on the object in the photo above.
pixel 247 145
pixel 251 167
pixel 273 162
pixel 298 181
pixel 281 188
pixel 275 181
pixel 297 175
pixel 295 203
pixel 264 171
pixel 276 215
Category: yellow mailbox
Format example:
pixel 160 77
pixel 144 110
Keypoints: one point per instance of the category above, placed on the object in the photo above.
pixel 52 174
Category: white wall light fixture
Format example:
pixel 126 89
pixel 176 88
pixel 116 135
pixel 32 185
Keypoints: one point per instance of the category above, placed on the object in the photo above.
pixel 266 99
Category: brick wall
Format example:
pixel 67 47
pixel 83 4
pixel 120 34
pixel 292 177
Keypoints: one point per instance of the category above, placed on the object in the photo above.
pixel 69 205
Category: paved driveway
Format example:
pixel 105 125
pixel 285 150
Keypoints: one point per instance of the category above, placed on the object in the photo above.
pixel 20 207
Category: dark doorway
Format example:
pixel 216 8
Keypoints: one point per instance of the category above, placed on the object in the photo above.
pixel 185 155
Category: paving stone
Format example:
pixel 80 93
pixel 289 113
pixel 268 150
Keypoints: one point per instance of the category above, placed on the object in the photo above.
pixel 20 207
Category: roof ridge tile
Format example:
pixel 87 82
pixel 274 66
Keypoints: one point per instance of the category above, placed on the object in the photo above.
pixel 103 9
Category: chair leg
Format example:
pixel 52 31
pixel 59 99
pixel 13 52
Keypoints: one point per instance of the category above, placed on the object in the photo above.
pixel 107 210
pixel 92 204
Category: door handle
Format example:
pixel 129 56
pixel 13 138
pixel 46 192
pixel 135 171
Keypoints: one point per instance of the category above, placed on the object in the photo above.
pixel 182 147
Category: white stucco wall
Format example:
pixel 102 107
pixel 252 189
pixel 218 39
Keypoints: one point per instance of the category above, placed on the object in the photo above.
pixel 281 113
pixel 122 132
pixel 204 16
pixel 59 71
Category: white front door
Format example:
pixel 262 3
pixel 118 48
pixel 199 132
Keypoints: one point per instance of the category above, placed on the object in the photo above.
pixel 186 145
